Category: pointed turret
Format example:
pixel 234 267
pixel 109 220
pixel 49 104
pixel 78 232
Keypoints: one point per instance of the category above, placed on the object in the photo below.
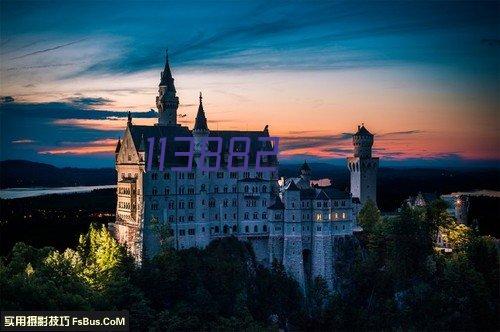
pixel 129 118
pixel 305 167
pixel 167 102
pixel 305 174
pixel 166 76
pixel 201 120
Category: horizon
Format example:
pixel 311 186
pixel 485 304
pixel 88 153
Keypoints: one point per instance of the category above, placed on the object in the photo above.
pixel 337 163
pixel 425 84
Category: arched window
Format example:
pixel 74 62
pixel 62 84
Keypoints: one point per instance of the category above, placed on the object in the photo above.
pixel 255 215
pixel 264 189
pixel 246 216
pixel 216 229
pixel 216 189
pixel 171 205
pixel 203 187
pixel 246 189
pixel 255 229
pixel 225 229
pixel 264 215
pixel 225 189
pixel 264 228
pixel 155 191
pixel 234 228
pixel 247 229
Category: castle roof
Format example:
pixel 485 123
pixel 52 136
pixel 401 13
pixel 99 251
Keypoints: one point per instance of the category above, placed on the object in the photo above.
pixel 201 120
pixel 166 76
pixel 292 186
pixel 363 131
pixel 322 196
pixel 335 193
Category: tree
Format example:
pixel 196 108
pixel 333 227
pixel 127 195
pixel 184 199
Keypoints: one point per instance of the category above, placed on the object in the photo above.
pixel 101 255
pixel 369 217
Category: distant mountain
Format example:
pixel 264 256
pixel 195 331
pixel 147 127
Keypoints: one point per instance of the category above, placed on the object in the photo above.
pixel 23 173
pixel 394 184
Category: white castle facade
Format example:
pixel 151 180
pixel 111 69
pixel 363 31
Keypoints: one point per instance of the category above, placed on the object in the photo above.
pixel 290 221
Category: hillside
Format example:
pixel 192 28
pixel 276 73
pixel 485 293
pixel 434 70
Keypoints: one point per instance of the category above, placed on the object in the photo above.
pixel 23 173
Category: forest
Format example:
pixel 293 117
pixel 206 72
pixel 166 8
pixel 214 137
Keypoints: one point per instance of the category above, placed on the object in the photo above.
pixel 390 277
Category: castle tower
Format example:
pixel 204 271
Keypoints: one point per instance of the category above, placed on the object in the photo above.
pixel 305 172
pixel 167 101
pixel 293 260
pixel 363 167
pixel 200 129
pixel 322 246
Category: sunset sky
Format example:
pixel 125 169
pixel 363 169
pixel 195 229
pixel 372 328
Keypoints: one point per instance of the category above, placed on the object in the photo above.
pixel 424 77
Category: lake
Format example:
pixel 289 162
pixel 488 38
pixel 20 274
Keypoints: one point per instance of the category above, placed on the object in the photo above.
pixel 11 193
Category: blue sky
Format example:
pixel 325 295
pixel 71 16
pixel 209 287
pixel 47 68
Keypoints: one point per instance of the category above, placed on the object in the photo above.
pixel 430 69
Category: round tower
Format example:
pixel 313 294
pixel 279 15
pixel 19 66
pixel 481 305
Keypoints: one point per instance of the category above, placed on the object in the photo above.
pixel 363 167
pixel 363 142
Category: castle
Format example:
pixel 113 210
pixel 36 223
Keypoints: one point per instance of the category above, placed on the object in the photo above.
pixel 290 220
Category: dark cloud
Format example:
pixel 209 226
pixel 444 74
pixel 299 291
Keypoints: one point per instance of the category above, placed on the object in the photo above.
pixel 301 142
pixel 401 133
pixel 56 65
pixel 305 36
pixel 38 121
pixel 48 49
pixel 187 105
pixel 7 99
pixel 90 101
pixel 338 150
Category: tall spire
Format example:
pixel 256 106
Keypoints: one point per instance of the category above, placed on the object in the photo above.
pixel 201 120
pixel 166 75
pixel 167 102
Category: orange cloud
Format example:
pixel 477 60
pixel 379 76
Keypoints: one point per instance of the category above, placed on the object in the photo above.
pixel 102 146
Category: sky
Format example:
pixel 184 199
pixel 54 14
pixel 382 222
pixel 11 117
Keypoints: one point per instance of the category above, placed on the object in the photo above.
pixel 424 77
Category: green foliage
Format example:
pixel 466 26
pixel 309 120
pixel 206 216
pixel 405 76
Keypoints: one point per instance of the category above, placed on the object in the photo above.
pixel 389 277
pixel 101 256
pixel 369 217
